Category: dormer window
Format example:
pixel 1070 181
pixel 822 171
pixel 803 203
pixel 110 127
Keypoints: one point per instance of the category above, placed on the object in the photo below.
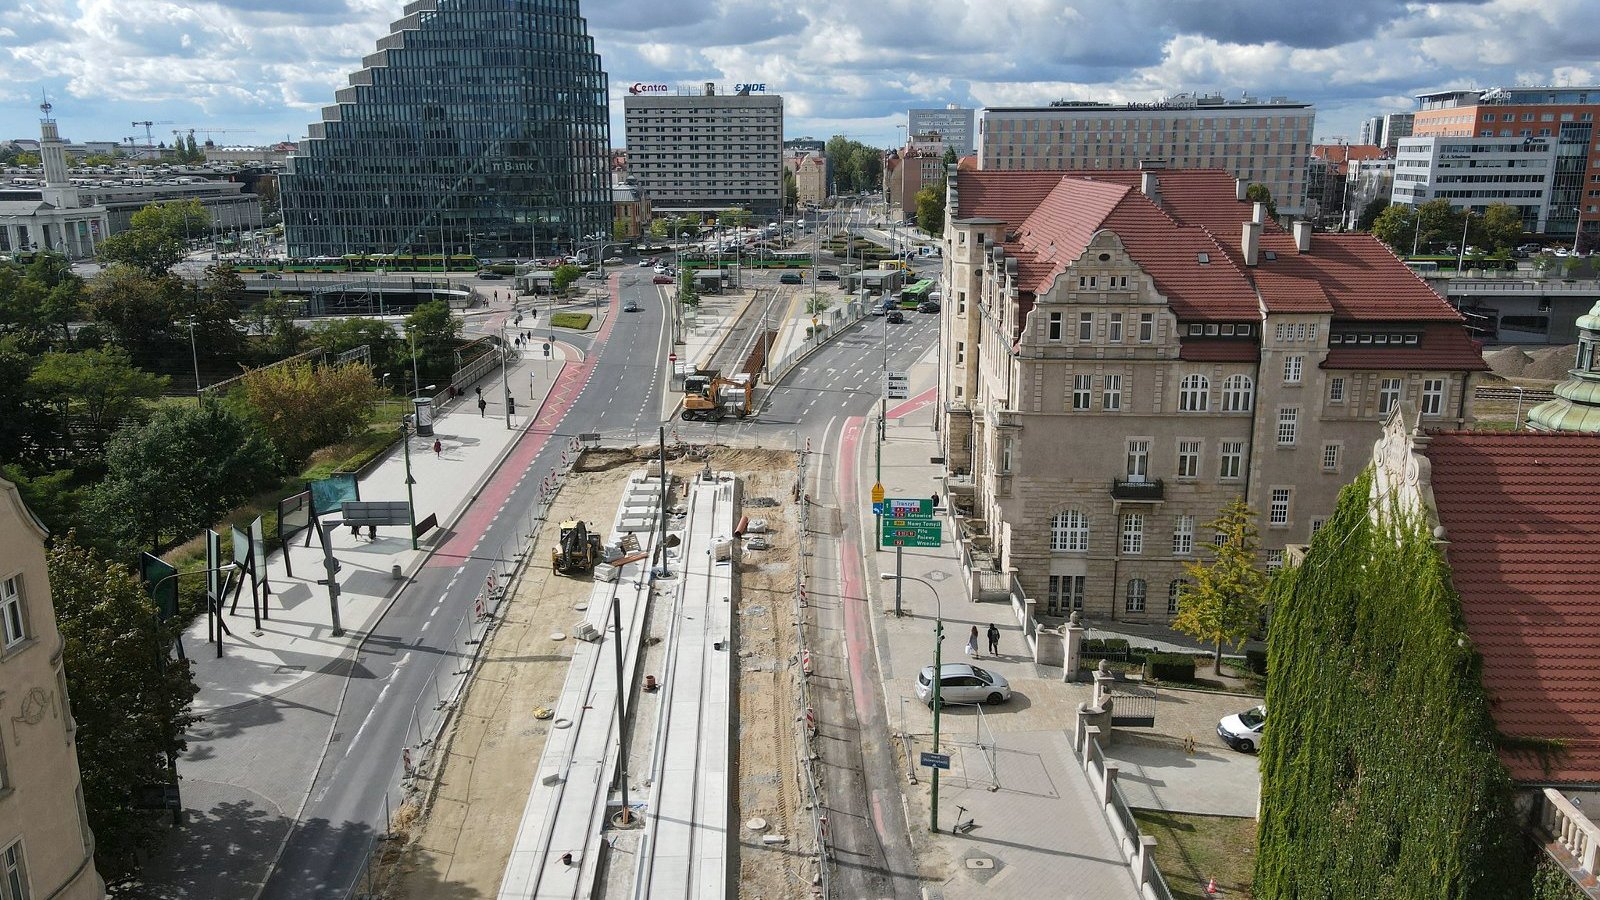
pixel 1203 259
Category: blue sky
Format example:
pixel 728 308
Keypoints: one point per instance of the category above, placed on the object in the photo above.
pixel 265 67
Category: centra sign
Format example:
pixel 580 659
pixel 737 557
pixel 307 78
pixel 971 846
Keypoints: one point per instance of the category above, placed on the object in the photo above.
pixel 640 87
pixel 750 88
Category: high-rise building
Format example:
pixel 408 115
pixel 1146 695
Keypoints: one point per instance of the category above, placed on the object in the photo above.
pixel 1372 130
pixel 1265 141
pixel 46 848
pixel 1395 127
pixel 1560 116
pixel 1474 173
pixel 700 152
pixel 954 125
pixel 474 128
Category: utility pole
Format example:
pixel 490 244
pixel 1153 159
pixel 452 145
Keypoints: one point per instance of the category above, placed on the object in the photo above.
pixel 411 500
pixel 505 378
pixel 622 715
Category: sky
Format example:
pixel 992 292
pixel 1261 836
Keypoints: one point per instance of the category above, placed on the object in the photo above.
pixel 259 71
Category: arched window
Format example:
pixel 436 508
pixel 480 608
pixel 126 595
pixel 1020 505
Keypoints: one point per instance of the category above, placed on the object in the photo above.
pixel 1174 590
pixel 1135 602
pixel 1194 393
pixel 1069 531
pixel 1236 393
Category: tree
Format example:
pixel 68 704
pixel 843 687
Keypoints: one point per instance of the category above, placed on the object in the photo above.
pixel 156 236
pixel 39 299
pixel 274 318
pixel 619 229
pixel 1397 227
pixel 1370 212
pixel 96 387
pixel 856 167
pixel 1439 224
pixel 130 698
pixel 215 307
pixel 139 308
pixel 791 190
pixel 179 473
pixel 660 228
pixel 1224 601
pixel 1498 228
pixel 1260 193
pixel 564 275
pixel 434 331
pixel 341 335
pixel 304 407
pixel 267 193
pixel 930 209
pixel 734 218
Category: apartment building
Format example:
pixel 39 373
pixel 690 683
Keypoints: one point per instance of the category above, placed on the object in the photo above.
pixel 46 848
pixel 1560 116
pixel 1260 141
pixel 1128 351
pixel 810 168
pixel 700 152
pixel 1474 173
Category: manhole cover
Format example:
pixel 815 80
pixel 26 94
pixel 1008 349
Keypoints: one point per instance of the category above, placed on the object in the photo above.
pixel 980 862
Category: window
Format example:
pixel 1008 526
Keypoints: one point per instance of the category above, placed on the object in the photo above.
pixel 1066 594
pixel 1069 531
pixel 1138 461
pixel 1133 533
pixel 1005 457
pixel 13 624
pixel 1111 393
pixel 1236 393
pixel 1194 393
pixel 1232 460
pixel 1316 526
pixel 1114 333
pixel 1174 591
pixel 1288 419
pixel 1183 535
pixel 13 873
pixel 1278 512
pixel 1335 390
pixel 1432 396
pixel 1135 600
pixel 1082 390
pixel 1147 327
pixel 1054 331
pixel 1188 459
pixel 1274 560
pixel 1388 395
pixel 1292 366
pixel 961 352
pixel 1330 457
pixel 1085 326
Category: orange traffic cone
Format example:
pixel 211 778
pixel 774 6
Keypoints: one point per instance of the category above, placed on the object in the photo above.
pixel 1211 887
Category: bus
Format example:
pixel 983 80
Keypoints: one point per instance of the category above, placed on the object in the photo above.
pixel 916 294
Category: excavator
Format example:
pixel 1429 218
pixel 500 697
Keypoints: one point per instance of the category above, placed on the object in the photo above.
pixel 710 398
pixel 577 550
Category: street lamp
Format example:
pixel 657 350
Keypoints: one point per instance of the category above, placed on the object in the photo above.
pixel 938 673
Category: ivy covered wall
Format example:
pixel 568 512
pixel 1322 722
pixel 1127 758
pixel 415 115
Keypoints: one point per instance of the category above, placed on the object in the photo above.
pixel 1379 777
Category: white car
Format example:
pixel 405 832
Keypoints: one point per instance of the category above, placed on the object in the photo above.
pixel 1242 731
pixel 963 683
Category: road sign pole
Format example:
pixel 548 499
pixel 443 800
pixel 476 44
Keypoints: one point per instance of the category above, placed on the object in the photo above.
pixel 899 554
pixel 938 678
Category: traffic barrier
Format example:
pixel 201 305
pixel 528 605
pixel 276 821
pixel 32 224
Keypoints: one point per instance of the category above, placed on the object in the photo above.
pixel 803 601
pixel 805 661
pixel 405 759
pixel 811 720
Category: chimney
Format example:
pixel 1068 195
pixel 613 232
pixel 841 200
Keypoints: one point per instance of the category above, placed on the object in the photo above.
pixel 1302 236
pixel 711 89
pixel 1250 243
pixel 1240 189
pixel 1258 214
pixel 1150 186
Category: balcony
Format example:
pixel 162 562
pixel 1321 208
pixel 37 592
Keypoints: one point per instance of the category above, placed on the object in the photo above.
pixel 1149 490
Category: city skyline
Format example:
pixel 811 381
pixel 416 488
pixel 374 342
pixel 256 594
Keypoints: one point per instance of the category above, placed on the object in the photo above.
pixel 238 64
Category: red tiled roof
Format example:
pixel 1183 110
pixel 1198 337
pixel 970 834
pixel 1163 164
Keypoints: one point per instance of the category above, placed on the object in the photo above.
pixel 1441 347
pixel 1524 533
pixel 1218 351
pixel 1341 154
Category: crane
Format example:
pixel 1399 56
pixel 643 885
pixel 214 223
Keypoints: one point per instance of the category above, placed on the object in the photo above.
pixel 149 137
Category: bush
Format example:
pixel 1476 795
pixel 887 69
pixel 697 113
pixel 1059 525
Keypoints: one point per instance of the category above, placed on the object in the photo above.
pixel 1169 667
pixel 1256 661
pixel 1105 647
pixel 576 321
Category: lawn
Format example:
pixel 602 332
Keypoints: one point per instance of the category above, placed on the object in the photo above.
pixel 575 321
pixel 1192 849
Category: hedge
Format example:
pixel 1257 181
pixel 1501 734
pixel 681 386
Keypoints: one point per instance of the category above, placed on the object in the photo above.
pixel 1169 666
pixel 577 321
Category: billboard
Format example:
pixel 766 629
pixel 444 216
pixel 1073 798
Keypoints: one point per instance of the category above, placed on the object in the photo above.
pixel 328 493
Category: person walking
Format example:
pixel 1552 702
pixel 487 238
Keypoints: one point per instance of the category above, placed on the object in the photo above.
pixel 972 642
pixel 482 404
pixel 438 452
pixel 994 640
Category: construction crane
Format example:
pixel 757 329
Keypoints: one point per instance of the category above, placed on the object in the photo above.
pixel 149 136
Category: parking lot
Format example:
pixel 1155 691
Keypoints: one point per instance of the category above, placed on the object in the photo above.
pixel 1158 771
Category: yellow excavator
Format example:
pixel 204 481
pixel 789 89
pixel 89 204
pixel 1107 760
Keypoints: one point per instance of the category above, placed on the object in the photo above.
pixel 577 550
pixel 710 399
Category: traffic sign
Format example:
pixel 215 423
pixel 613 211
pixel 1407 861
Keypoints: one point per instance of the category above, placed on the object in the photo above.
pixel 911 533
pixel 877 509
pixel 547 349
pixel 896 386
pixel 672 357
pixel 908 507
pixel 935 760
pixel 877 493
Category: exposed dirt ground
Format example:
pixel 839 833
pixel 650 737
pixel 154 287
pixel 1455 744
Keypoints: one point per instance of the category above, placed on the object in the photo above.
pixel 493 744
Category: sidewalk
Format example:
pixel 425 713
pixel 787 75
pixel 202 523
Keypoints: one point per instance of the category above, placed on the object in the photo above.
pixel 1012 766
pixel 296 641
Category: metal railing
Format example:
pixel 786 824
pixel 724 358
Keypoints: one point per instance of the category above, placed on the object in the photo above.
pixel 806 772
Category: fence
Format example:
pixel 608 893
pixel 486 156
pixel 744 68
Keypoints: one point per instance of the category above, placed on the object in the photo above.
pixel 806 773
pixel 831 326
pixel 1138 850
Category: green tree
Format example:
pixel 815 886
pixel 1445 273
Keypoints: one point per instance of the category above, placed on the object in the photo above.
pixel 38 300
pixel 1397 227
pixel 179 473
pixel 98 388
pixel 433 331
pixel 154 241
pixel 1370 213
pixel 619 229
pixel 139 308
pixel 130 699
pixel 734 218
pixel 1223 602
pixel 274 319
pixel 25 430
pixel 267 193
pixel 856 167
pixel 930 209
pixel 660 228
pixel 27 158
pixel 1439 224
pixel 304 407
pixel 192 152
pixel 342 335
pixel 791 190
pixel 564 275
pixel 1260 193
pixel 1498 228
pixel 214 311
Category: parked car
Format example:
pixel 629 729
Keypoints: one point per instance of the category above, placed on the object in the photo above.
pixel 827 275
pixel 596 275
pixel 963 683
pixel 1242 731
pixel 790 278
pixel 895 317
pixel 271 276
pixel 661 279
pixel 928 306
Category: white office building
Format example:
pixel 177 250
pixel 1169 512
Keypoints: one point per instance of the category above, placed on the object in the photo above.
pixel 1476 172
pixel 956 127
pixel 700 152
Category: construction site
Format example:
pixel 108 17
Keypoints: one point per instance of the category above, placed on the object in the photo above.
pixel 526 796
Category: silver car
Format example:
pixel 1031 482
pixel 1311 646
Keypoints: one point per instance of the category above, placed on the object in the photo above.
pixel 963 683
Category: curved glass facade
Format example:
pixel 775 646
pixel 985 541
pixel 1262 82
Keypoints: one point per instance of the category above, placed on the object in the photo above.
pixel 478 126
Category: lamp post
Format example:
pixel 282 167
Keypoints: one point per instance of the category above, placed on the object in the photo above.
pixel 938 672
pixel 411 500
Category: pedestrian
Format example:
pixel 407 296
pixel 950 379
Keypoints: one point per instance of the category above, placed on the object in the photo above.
pixel 372 532
pixel 482 404
pixel 994 640
pixel 438 448
pixel 972 642
pixel 935 499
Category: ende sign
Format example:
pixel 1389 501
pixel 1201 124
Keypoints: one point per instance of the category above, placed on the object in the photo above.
pixel 640 87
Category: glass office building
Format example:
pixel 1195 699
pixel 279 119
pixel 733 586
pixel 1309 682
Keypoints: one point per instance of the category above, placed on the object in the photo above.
pixel 478 126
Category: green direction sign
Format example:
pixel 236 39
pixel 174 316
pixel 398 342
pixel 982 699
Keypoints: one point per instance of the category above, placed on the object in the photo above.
pixel 915 532
pixel 903 508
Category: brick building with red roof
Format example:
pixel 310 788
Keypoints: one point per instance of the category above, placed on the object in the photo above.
pixel 1126 351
